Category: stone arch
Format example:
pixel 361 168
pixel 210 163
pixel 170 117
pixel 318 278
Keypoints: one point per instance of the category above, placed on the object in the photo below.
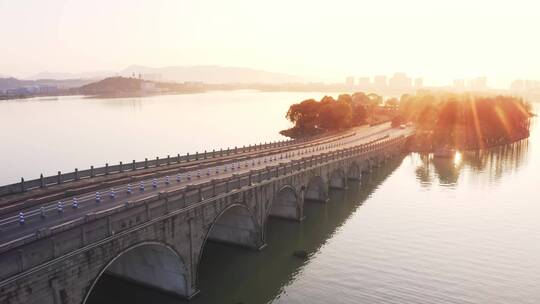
pixel 152 264
pixel 316 189
pixel 286 203
pixel 354 172
pixel 235 225
pixel 338 179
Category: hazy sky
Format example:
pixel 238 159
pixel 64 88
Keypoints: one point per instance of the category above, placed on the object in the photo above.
pixel 437 40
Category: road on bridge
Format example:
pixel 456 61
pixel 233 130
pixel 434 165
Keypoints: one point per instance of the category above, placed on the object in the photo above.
pixel 52 213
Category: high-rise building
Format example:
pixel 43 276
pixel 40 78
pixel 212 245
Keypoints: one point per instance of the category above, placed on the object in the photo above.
pixel 364 82
pixel 479 83
pixel 459 84
pixel 532 84
pixel 400 81
pixel 349 81
pixel 517 85
pixel 380 81
pixel 418 82
pixel 525 85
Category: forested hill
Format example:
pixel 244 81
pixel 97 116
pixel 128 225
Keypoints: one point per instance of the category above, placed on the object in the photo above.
pixel 112 85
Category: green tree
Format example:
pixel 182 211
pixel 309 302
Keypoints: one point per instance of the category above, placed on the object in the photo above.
pixel 360 98
pixel 334 115
pixel 392 103
pixel 374 99
pixel 345 98
pixel 359 115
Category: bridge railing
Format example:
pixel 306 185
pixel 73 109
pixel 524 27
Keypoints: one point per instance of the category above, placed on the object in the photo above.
pixel 221 186
pixel 83 192
pixel 170 202
pixel 83 200
pixel 195 194
pixel 60 178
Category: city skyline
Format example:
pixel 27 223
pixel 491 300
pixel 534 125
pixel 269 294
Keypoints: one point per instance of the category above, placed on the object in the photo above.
pixel 403 81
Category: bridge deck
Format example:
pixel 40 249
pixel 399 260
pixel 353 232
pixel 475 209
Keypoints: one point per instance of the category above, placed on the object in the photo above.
pixel 11 229
pixel 51 192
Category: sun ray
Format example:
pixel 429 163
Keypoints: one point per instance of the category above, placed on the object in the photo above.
pixel 476 122
pixel 504 121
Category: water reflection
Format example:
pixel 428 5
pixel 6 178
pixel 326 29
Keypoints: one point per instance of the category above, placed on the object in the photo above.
pixel 495 162
pixel 120 103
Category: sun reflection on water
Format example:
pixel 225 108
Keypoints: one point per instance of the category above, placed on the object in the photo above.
pixel 457 158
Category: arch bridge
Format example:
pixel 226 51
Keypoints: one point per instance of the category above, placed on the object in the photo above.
pixel 157 240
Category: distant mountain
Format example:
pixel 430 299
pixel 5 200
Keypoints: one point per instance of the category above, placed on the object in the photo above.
pixel 209 74
pixel 65 76
pixel 13 83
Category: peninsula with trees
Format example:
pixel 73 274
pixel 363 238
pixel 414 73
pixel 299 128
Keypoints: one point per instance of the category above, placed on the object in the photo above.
pixel 463 121
pixel 311 117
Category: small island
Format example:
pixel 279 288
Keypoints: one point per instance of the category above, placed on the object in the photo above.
pixel 443 121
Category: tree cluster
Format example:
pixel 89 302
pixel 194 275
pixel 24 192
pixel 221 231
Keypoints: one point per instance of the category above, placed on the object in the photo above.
pixel 466 120
pixel 311 117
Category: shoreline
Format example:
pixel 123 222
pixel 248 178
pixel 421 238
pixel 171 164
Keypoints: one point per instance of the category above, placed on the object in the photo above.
pixel 69 92
pixel 414 145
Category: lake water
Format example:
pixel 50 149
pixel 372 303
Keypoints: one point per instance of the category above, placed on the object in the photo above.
pixel 45 135
pixel 417 230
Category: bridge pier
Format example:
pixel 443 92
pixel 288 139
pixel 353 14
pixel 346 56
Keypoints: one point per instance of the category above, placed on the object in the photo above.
pixel 288 204
pixel 355 178
pixel 236 226
pixel 317 190
pixel 338 180
pixel 354 173
pixel 368 168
